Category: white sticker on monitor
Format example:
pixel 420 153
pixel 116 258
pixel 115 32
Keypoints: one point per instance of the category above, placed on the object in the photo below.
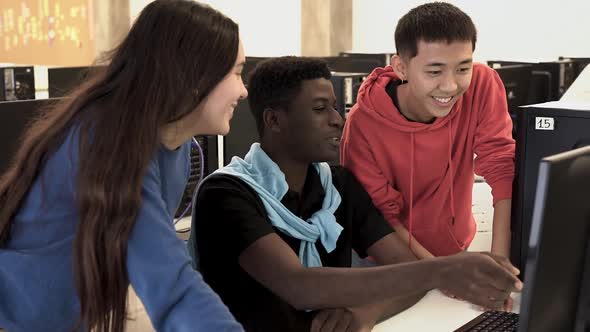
pixel 542 123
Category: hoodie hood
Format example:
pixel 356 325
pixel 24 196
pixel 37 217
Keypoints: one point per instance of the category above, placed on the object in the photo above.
pixel 373 98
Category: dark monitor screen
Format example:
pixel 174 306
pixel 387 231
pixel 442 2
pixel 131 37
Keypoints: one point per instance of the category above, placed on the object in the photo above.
pixel 242 125
pixel 352 64
pixel 62 81
pixel 14 118
pixel 578 64
pixel 383 59
pixel 558 245
pixel 249 65
pixel 550 79
pixel 242 133
pixel 541 132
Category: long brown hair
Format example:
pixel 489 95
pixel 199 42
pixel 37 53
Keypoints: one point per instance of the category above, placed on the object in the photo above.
pixel 175 48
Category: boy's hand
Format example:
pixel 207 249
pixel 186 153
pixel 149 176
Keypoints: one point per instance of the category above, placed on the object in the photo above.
pixel 483 279
pixel 343 320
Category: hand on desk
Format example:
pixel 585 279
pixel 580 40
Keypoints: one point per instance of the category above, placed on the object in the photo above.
pixel 343 320
pixel 508 304
pixel 483 279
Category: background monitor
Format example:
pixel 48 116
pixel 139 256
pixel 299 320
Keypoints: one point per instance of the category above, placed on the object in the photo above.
pixel 541 132
pixel 353 64
pixel 384 59
pixel 553 297
pixel 346 88
pixel 63 80
pixel 249 65
pixel 17 83
pixel 14 118
pixel 578 64
pixel 242 133
pixel 550 79
pixel 517 82
pixel 199 168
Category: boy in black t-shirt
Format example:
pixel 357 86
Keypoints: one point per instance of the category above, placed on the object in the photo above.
pixel 274 231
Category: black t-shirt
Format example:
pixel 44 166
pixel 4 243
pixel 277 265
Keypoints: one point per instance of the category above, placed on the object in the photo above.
pixel 230 216
pixel 391 90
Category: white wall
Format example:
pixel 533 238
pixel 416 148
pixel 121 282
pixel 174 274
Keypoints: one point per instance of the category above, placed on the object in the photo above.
pixel 267 27
pixel 507 29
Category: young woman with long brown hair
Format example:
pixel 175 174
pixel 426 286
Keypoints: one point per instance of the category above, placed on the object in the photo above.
pixel 86 207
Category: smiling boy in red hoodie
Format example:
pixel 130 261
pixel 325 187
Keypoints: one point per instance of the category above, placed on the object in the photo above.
pixel 417 125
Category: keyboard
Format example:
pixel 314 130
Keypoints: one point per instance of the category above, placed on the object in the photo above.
pixel 492 321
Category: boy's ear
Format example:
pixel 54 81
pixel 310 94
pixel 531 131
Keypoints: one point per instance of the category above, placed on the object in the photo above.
pixel 272 119
pixel 399 67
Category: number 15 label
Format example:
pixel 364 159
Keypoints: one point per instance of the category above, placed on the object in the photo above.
pixel 542 123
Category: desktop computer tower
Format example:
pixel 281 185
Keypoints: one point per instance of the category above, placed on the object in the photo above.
pixel 541 132
pixel 206 165
pixel 346 88
pixel 17 83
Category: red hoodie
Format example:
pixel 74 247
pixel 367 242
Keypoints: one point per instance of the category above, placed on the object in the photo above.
pixel 422 174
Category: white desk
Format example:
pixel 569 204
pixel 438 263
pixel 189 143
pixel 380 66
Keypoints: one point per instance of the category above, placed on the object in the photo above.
pixel 435 312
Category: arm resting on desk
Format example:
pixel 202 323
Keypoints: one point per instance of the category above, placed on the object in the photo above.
pixel 326 287
pixel 390 250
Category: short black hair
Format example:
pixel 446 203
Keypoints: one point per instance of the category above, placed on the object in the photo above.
pixel 431 22
pixel 276 81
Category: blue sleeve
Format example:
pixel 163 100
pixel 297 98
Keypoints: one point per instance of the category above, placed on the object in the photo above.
pixel 174 294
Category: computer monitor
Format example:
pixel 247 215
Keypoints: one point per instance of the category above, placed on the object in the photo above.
pixel 352 64
pixel 578 64
pixel 384 59
pixel 556 293
pixel 552 298
pixel 517 82
pixel 17 83
pixel 541 132
pixel 560 74
pixel 14 118
pixel 346 88
pixel 62 80
pixel 242 133
pixel 249 65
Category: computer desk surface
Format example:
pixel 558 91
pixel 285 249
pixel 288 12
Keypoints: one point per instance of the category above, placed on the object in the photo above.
pixel 435 312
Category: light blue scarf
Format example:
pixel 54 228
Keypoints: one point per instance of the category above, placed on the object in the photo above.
pixel 265 176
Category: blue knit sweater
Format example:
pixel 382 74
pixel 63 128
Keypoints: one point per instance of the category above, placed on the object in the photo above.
pixel 37 291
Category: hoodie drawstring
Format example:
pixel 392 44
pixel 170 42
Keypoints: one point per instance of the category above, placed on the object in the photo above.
pixel 411 191
pixel 451 170
pixel 451 173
